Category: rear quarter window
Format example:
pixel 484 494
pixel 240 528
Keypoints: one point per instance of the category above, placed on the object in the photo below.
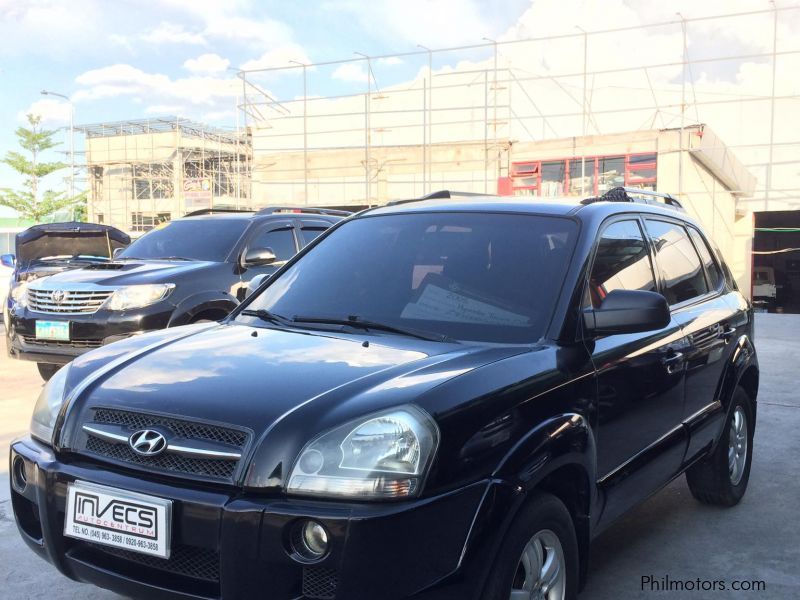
pixel 678 261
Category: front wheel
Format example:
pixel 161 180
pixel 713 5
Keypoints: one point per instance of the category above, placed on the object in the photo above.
pixel 721 478
pixel 539 556
pixel 46 370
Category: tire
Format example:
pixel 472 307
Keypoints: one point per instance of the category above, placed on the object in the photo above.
pixel 46 370
pixel 721 478
pixel 543 523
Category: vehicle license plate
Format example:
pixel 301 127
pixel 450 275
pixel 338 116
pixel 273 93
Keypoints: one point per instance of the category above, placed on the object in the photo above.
pixel 118 518
pixel 52 330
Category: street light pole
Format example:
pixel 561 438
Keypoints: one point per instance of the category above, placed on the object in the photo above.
pixel 71 141
pixel 305 129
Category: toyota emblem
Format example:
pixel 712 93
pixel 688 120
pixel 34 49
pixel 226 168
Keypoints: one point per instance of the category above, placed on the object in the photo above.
pixel 58 296
pixel 147 442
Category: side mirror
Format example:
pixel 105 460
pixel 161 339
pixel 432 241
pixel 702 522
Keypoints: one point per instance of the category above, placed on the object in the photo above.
pixel 8 260
pixel 628 311
pixel 116 252
pixel 257 257
pixel 255 283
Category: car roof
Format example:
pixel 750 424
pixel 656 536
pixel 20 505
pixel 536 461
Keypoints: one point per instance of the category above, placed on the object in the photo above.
pixel 563 207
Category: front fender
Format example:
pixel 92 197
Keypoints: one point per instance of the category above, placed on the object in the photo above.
pixel 193 305
pixel 565 441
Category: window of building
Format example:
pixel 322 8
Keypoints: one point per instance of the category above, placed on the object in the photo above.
pixel 153 180
pixel 598 174
pixel 581 177
pixel 553 178
pixel 678 262
pixel 622 262
pixel 141 221
pixel 100 217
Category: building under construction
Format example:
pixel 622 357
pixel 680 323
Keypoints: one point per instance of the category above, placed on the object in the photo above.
pixel 146 171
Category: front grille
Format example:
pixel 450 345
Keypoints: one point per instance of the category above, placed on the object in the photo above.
pixel 319 583
pixel 189 561
pixel 60 301
pixel 172 463
pixel 184 429
pixel 62 343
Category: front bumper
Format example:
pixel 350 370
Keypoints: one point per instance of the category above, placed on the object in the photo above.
pixel 227 544
pixel 87 331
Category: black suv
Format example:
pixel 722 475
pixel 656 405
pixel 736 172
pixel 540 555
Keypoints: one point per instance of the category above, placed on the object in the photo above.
pixel 437 399
pixel 192 269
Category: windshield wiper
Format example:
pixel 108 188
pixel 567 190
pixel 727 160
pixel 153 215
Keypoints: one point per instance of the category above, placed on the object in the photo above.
pixel 265 315
pixel 172 258
pixel 361 323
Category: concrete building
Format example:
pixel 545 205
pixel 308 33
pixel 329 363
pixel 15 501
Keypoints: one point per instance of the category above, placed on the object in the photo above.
pixel 145 171
pixel 695 167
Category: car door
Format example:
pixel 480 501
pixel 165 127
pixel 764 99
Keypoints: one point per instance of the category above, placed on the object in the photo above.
pixel 640 378
pixel 709 323
pixel 281 238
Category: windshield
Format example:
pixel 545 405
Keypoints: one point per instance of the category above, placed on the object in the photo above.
pixel 466 276
pixel 192 239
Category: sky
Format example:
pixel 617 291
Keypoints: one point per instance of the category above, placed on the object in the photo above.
pixel 129 59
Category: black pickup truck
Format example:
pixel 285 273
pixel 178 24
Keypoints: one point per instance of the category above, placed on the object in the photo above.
pixel 436 399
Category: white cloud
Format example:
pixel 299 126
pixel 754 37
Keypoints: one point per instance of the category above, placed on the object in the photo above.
pixel 207 63
pixel 54 113
pixel 164 109
pixel 390 61
pixel 125 80
pixel 278 57
pixel 173 33
pixel 350 72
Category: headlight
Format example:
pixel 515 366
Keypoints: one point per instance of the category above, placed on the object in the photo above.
pixel 48 406
pixel 19 294
pixel 386 455
pixel 137 296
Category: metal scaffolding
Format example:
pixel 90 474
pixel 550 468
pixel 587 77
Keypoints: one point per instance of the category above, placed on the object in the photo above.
pixel 142 172
pixel 333 135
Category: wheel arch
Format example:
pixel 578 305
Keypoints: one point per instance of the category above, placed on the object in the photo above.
pixel 206 302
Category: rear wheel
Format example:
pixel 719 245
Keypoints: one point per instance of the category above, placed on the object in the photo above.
pixel 539 556
pixel 722 477
pixel 46 370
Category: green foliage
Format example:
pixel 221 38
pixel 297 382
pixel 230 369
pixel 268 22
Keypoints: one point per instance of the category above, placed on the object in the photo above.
pixel 29 202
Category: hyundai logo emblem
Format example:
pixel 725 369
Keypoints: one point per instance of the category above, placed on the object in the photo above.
pixel 147 442
pixel 58 296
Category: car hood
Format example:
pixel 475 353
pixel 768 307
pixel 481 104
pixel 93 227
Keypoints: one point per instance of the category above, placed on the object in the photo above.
pixel 127 272
pixel 253 377
pixel 67 239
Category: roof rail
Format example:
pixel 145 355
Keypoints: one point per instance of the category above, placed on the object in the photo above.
pixel 271 210
pixel 440 194
pixel 623 194
pixel 211 211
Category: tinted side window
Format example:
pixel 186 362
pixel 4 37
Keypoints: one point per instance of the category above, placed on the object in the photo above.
pixel 309 234
pixel 712 269
pixel 280 240
pixel 678 262
pixel 622 262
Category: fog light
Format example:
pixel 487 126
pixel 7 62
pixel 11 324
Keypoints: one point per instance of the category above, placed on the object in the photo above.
pixel 310 540
pixel 19 476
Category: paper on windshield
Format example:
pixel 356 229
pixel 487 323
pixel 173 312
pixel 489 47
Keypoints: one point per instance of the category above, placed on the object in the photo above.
pixel 435 303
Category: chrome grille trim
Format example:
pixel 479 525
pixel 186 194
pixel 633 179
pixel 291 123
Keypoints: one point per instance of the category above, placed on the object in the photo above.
pixel 74 301
pixel 194 449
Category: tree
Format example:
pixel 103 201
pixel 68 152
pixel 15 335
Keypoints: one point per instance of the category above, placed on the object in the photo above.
pixel 31 202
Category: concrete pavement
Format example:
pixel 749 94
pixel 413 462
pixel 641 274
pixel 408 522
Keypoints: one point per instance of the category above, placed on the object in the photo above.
pixel 671 535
